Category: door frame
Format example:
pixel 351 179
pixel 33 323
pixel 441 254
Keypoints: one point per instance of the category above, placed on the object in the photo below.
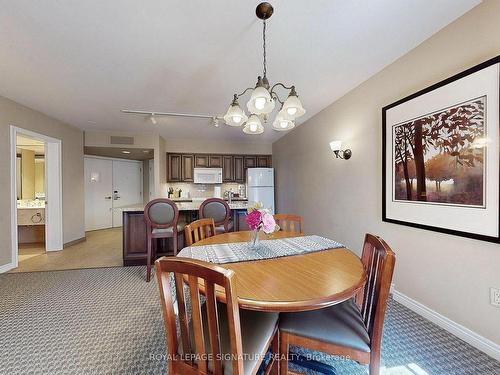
pixel 53 191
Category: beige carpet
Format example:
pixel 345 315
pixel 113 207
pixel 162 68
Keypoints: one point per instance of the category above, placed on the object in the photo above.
pixel 108 321
pixel 103 248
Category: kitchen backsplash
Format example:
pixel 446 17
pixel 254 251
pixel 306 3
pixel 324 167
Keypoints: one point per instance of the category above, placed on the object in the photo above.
pixel 205 190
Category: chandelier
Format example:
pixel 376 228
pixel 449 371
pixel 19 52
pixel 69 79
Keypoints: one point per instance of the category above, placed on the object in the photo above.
pixel 264 97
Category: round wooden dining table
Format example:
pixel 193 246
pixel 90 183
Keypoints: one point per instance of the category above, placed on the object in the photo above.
pixel 293 283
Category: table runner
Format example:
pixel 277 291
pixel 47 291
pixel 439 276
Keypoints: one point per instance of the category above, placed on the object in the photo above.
pixel 267 249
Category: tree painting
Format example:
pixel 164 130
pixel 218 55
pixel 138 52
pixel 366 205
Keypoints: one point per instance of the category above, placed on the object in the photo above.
pixel 439 157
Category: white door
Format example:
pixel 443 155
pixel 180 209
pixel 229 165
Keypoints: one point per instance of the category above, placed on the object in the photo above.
pixel 98 194
pixel 127 187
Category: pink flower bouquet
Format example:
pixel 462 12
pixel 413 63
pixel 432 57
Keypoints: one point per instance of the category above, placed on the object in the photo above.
pixel 258 219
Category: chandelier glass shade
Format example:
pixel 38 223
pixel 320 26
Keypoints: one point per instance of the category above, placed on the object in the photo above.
pixel 283 122
pixel 293 106
pixel 253 125
pixel 235 116
pixel 261 102
pixel 263 97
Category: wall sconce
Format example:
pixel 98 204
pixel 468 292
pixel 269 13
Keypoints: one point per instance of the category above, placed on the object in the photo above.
pixel 336 147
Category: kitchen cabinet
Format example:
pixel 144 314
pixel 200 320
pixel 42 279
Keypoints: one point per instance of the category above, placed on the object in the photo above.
pixel 134 236
pixel 187 166
pixel 180 167
pixel 250 162
pixel 239 220
pixel 263 161
pixel 215 161
pixel 227 168
pixel 239 169
pixel 201 161
pixel 174 167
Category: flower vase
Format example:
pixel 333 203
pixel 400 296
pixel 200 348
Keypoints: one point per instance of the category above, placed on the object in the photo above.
pixel 254 239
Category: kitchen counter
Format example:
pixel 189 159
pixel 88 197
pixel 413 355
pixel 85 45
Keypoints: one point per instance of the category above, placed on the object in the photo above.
pixel 235 199
pixel 185 206
pixel 134 229
pixel 29 204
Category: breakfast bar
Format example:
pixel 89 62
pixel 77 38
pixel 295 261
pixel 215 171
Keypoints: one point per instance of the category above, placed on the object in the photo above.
pixel 134 229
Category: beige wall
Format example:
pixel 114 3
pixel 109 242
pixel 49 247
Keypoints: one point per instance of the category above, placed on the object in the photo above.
pixel 102 139
pixel 217 147
pixel 342 199
pixel 40 176
pixel 12 113
pixel 160 168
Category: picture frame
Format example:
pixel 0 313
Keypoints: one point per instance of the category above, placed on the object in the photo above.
pixel 441 158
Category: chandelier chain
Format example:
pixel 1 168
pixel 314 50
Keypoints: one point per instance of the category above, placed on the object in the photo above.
pixel 264 47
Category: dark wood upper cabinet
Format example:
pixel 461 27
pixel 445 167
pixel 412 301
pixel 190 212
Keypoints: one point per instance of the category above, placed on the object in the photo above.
pixel 215 161
pixel 239 169
pixel 180 167
pixel 174 167
pixel 227 168
pixel 187 173
pixel 201 161
pixel 262 161
pixel 250 162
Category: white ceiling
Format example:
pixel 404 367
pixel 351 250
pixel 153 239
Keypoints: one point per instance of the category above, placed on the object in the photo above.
pixel 83 61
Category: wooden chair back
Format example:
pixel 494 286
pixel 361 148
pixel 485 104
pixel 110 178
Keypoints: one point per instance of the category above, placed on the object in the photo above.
pixel 199 230
pixel 378 260
pixel 289 223
pixel 212 275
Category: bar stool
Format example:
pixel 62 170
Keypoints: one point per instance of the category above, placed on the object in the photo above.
pixel 219 210
pixel 162 221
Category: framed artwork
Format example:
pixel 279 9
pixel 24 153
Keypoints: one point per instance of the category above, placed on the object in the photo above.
pixel 441 159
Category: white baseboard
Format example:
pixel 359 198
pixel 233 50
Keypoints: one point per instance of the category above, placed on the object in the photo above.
pixel 479 342
pixel 7 267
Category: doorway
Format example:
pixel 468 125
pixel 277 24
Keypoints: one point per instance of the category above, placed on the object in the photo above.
pixel 36 194
pixel 110 184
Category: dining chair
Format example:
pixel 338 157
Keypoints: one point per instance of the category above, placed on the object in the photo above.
pixel 352 328
pixel 289 223
pixel 162 221
pixel 198 230
pixel 219 210
pixel 218 338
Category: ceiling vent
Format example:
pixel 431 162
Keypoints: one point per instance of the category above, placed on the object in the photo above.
pixel 121 140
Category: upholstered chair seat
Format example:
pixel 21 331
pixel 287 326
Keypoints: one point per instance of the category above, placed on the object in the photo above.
pixel 256 329
pixel 205 336
pixel 180 228
pixel 341 324
pixel 352 328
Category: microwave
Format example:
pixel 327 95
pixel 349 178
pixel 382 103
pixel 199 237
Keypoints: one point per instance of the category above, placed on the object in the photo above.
pixel 208 175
